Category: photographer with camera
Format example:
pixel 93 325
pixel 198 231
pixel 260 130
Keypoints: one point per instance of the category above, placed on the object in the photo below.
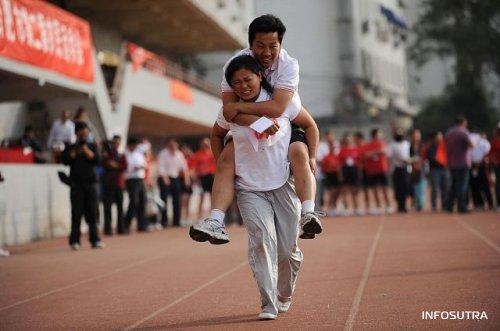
pixel 83 158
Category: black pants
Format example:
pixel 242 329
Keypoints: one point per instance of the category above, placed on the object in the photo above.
pixel 110 196
pixel 479 186
pixel 175 190
pixel 401 187
pixel 84 202
pixel 137 203
pixel 458 189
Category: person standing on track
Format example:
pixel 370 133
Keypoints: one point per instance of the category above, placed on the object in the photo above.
pixel 282 72
pixel 265 191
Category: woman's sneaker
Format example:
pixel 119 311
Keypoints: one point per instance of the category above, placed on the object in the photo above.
pixel 266 316
pixel 209 229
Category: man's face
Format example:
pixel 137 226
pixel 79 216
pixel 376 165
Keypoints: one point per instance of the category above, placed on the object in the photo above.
pixel 266 48
pixel 116 143
pixel 172 145
pixel 65 115
pixel 329 137
pixel 83 134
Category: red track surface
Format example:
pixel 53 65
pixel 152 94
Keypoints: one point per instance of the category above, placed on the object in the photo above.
pixel 362 273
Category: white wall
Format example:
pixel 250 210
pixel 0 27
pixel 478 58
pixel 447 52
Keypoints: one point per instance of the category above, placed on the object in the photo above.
pixel 310 38
pixel 34 205
pixel 12 119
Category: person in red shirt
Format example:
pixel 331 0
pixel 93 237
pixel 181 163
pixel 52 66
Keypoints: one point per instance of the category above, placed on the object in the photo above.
pixel 204 166
pixel 359 140
pixel 349 162
pixel 187 189
pixel 494 157
pixel 330 167
pixel 377 167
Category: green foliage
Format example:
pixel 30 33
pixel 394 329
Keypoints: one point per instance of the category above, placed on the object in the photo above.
pixel 469 31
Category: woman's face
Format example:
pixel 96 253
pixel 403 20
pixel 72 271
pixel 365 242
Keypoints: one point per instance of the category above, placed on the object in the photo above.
pixel 246 84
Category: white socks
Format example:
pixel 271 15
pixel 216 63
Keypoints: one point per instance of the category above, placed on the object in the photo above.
pixel 307 206
pixel 218 215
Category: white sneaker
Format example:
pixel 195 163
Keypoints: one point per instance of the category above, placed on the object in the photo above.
pixel 360 212
pixel 389 210
pixel 98 245
pixel 4 253
pixel 158 226
pixel 310 223
pixel 374 211
pixel 209 229
pixel 267 316
pixel 283 307
pixel 75 246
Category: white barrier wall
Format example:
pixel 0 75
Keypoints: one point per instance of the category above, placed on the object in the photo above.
pixel 34 204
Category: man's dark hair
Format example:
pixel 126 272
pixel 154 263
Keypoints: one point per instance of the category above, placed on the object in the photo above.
pixel 28 128
pixel 374 132
pixel 132 141
pixel 265 24
pixel 80 126
pixel 460 120
pixel 359 135
pixel 116 136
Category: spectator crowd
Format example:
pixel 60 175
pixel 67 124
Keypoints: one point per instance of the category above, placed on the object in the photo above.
pixel 355 176
pixel 461 168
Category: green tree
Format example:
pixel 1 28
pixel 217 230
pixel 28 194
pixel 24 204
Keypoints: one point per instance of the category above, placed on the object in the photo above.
pixel 468 31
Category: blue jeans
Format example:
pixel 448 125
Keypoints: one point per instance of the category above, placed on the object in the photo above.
pixel 419 193
pixel 458 190
pixel 440 184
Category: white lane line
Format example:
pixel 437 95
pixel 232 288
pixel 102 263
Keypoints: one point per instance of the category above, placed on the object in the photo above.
pixel 479 235
pixel 185 296
pixel 364 278
pixel 60 289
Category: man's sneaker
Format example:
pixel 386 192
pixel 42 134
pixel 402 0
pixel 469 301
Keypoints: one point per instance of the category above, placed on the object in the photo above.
pixel 305 235
pixel 75 246
pixel 267 316
pixel 4 253
pixel 209 229
pixel 389 210
pixel 98 245
pixel 283 307
pixel 310 223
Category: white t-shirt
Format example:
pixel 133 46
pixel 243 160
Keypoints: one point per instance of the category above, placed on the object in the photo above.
pixel 283 73
pixel 136 163
pixel 481 148
pixel 171 164
pixel 261 164
pixel 399 152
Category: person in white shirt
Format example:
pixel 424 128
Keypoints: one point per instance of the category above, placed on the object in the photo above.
pixel 61 133
pixel 171 165
pixel 282 72
pixel 134 182
pixel 398 153
pixel 479 182
pixel 265 191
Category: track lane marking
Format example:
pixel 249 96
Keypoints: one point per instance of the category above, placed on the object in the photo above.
pixel 185 296
pixel 478 234
pixel 63 288
pixel 364 278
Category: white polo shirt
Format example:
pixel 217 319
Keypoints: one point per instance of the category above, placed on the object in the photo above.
pixel 136 163
pixel 283 73
pixel 266 167
pixel 171 164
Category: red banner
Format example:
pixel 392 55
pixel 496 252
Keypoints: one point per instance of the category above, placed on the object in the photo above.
pixel 142 58
pixel 36 32
pixel 181 91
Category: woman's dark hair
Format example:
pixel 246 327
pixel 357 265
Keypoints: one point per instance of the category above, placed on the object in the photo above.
pixel 249 63
pixel 266 23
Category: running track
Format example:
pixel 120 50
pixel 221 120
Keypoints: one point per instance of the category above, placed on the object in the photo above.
pixel 369 273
